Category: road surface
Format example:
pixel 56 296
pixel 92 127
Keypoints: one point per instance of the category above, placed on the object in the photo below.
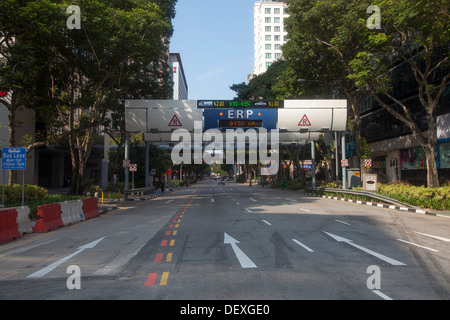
pixel 234 242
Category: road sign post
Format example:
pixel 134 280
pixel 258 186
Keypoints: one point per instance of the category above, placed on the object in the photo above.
pixel 15 159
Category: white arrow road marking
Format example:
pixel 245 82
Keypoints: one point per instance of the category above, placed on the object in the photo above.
pixel 54 265
pixel 242 257
pixel 373 253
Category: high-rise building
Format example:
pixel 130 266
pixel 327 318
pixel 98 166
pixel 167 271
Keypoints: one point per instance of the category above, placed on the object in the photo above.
pixel 270 33
pixel 180 87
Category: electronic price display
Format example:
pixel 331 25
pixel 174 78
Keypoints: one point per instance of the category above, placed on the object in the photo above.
pixel 240 124
pixel 240 104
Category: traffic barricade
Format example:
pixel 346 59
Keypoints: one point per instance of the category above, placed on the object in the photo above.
pixel 48 218
pixel 72 212
pixel 8 225
pixel 23 219
pixel 90 208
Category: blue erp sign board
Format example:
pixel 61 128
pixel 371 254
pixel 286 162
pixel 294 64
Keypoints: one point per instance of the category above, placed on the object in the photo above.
pixel 239 118
pixel 14 158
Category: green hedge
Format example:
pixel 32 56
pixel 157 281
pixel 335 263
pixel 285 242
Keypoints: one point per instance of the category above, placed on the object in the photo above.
pixel 431 198
pixel 34 196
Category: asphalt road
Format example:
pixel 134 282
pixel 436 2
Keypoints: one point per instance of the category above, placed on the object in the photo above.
pixel 234 242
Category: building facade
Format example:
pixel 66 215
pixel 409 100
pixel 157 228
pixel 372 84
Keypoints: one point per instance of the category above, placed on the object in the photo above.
pixel 269 33
pixel 180 87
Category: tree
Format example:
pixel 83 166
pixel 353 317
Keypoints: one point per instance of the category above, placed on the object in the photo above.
pixel 261 86
pixel 75 79
pixel 26 28
pixel 415 33
pixel 324 38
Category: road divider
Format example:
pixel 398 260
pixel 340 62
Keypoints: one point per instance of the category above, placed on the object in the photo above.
pixel 9 230
pixel 48 218
pixel 90 208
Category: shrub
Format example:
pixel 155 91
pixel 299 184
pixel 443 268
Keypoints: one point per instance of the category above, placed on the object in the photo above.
pixel 13 194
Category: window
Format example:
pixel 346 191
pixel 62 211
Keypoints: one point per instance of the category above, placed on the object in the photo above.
pixel 277 11
pixel 268 28
pixel 268 64
pixel 277 38
pixel 268 19
pixel 278 47
pixel 268 56
pixel 268 10
pixel 277 19
pixel 269 46
pixel 277 56
pixel 268 37
pixel 277 29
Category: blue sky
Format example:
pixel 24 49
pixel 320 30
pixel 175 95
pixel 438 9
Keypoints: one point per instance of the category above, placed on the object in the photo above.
pixel 215 41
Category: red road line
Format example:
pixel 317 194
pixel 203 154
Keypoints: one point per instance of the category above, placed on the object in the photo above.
pixel 151 279
pixel 159 257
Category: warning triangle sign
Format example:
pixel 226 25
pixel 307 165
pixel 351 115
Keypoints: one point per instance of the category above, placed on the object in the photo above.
pixel 304 122
pixel 175 122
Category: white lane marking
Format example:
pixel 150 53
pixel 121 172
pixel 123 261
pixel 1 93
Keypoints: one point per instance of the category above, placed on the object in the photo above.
pixel 212 199
pixel 301 244
pixel 252 199
pixel 432 236
pixel 304 210
pixel 382 295
pixel 343 222
pixel 267 222
pixel 248 210
pixel 417 245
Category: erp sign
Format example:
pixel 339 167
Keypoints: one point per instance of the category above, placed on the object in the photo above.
pixel 14 158
pixel 240 118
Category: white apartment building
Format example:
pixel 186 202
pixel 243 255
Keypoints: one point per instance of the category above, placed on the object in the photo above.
pixel 270 33
pixel 180 87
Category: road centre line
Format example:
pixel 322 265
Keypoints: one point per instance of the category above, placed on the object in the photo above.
pixel 418 245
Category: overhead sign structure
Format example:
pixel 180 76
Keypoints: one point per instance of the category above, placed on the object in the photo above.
pixel 313 115
pixel 14 158
pixel 240 118
pixel 161 115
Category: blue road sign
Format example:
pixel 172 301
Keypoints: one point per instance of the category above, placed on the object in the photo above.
pixel 14 158
pixel 240 118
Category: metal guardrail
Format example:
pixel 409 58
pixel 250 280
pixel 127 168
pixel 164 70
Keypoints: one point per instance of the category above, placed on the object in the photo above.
pixel 365 193
pixel 139 191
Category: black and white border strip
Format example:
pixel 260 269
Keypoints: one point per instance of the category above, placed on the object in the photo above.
pixel 368 203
